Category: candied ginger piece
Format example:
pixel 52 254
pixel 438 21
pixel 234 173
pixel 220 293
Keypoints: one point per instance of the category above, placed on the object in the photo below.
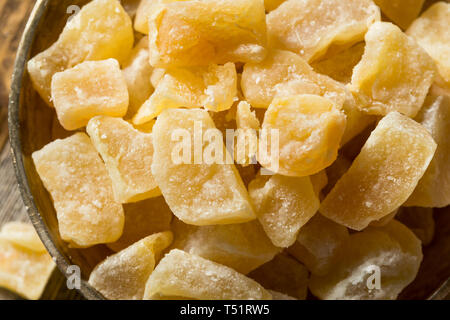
pixel 181 274
pixel 22 234
pixel 123 275
pixel 78 182
pixel 144 11
pixel 310 128
pixel 212 190
pixel 243 247
pixel 393 253
pixel 383 175
pixel 90 89
pixel 433 189
pixel 283 274
pixel 137 73
pixel 430 31
pixel 199 33
pixel 319 244
pixel 142 219
pixel 128 155
pixel 213 87
pixel 394 73
pixel 401 12
pixel 24 271
pixel 283 205
pixel 247 123
pixel 101 30
pixel 420 221
pixel 309 27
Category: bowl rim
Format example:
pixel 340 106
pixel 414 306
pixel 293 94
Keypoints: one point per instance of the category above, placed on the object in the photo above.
pixel 62 263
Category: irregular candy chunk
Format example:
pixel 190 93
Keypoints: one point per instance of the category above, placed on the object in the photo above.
pixel 383 175
pixel 181 274
pixel 144 11
pixel 247 124
pixel 419 220
pixel 213 87
pixel 310 129
pixel 431 32
pixel 389 256
pixel 128 155
pixel 394 73
pixel 283 274
pixel 24 271
pixel 123 275
pixel 243 247
pixel 22 234
pixel 194 33
pixel 283 205
pixel 142 219
pixel 137 73
pixel 212 193
pixel 101 30
pixel 77 179
pixel 319 244
pixel 309 27
pixel 401 12
pixel 433 189
pixel 91 88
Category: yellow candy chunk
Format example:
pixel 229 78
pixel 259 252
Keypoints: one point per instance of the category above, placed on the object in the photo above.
pixel 137 73
pixel 319 244
pixel 123 275
pixel 199 33
pixel 383 175
pixel 394 73
pixel 433 189
pixel 377 263
pixel 310 27
pixel 22 234
pixel 91 88
pixel 310 129
pixel 24 271
pixel 213 191
pixel 243 247
pixel 420 221
pixel 144 11
pixel 128 155
pixel 213 87
pixel 247 123
pixel 401 12
pixel 181 274
pixel 283 274
pixel 142 219
pixel 101 30
pixel 78 182
pixel 283 205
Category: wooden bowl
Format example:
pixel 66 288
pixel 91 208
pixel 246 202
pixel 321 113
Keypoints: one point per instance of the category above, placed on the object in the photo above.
pixel 32 124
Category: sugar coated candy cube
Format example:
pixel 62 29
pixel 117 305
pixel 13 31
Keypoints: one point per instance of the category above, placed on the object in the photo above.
pixel 283 205
pixel 243 246
pixel 213 87
pixel 309 27
pixel 433 189
pixel 193 33
pixel 419 220
pixel 246 147
pixel 137 73
pixel 283 274
pixel 319 244
pixel 78 182
pixel 123 275
pixel 401 12
pixel 142 219
pixel 22 270
pixel 383 175
pixel 183 161
pixel 22 234
pixel 89 89
pixel 181 274
pixel 378 263
pixel 309 127
pixel 128 156
pixel 101 30
pixel 394 73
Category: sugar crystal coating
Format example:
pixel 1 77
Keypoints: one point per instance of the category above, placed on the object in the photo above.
pixel 22 234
